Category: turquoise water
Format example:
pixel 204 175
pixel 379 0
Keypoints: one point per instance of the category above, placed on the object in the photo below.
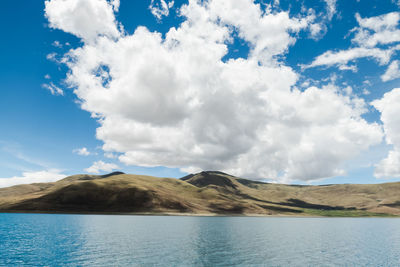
pixel 102 240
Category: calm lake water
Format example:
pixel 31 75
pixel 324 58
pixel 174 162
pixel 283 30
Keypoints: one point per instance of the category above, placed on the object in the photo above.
pixel 102 240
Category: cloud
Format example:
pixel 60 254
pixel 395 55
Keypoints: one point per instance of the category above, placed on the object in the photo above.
pixel 320 21
pixel 330 8
pixel 378 30
pixel 57 44
pixel 392 72
pixel 86 19
pixel 99 166
pixel 374 38
pixel 389 107
pixel 317 30
pixel 81 151
pixel 44 176
pixel 115 5
pixel 173 101
pixel 390 166
pixel 269 33
pixel 160 8
pixel 342 57
pixel 110 155
pixel 54 90
pixel 52 57
pixel 15 150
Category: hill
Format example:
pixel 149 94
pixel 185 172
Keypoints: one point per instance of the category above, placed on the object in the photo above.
pixel 204 193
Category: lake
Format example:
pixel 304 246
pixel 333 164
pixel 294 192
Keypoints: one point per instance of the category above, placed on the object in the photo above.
pixel 113 240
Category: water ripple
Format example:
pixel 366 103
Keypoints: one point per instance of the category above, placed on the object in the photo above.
pixel 97 240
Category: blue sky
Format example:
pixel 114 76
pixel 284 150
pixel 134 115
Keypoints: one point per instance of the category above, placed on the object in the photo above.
pixel 51 104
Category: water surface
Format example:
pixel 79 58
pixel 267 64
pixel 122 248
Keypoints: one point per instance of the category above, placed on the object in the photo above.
pixel 105 240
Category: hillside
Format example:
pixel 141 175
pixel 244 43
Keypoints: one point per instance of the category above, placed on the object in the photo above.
pixel 202 193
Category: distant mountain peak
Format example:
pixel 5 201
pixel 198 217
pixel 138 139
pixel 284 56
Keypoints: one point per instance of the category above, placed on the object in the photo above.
pixel 216 173
pixel 208 192
pixel 112 174
pixel 205 173
pixel 206 178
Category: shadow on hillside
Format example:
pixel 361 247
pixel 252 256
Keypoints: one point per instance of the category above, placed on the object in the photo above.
pixel 235 209
pixel 280 209
pixel 293 202
pixel 88 196
pixel 392 205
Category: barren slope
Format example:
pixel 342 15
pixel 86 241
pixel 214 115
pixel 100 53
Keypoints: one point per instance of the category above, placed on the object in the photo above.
pixel 202 193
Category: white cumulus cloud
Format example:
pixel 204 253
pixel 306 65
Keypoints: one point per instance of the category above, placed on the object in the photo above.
pixel 99 166
pixel 86 19
pixel 173 101
pixel 44 176
pixel 81 151
pixel 320 21
pixel 392 72
pixel 160 8
pixel 389 107
pixel 376 37
pixel 381 29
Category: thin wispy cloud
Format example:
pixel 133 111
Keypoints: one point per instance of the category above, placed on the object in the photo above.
pixel 53 89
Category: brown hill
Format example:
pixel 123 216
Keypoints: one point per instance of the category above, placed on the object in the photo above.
pixel 203 193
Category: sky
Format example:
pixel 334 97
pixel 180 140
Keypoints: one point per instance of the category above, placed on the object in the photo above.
pixel 302 92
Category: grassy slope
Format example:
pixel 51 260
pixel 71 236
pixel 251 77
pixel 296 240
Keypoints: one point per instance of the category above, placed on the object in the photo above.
pixel 203 193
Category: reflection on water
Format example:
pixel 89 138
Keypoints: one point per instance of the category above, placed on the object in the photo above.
pixel 39 239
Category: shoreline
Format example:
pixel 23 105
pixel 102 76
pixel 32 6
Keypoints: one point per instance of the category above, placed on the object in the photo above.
pixel 189 214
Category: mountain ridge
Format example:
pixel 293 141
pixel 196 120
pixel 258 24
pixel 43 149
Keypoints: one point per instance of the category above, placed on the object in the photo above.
pixel 204 193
